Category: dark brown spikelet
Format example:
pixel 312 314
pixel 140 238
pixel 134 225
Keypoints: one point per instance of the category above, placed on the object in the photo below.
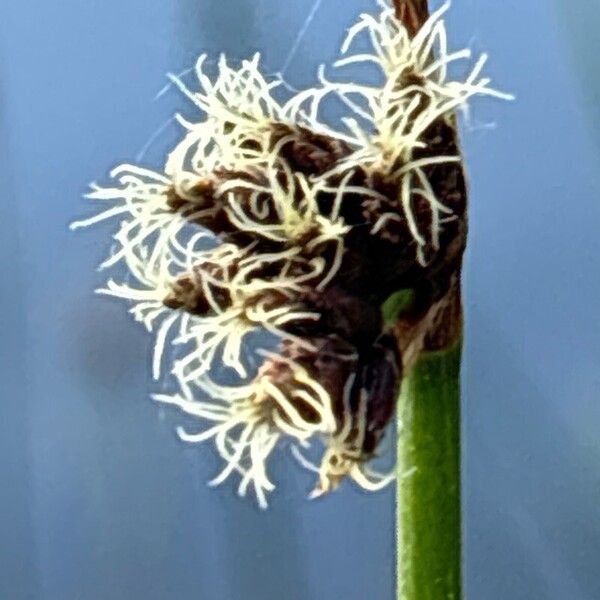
pixel 375 373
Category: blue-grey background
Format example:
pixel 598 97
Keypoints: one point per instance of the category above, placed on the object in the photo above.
pixel 99 501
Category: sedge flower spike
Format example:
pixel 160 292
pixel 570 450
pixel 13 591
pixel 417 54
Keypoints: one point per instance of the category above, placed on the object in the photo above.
pixel 264 218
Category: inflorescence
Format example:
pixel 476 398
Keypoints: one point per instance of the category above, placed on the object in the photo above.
pixel 266 218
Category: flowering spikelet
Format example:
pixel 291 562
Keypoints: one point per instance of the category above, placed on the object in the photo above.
pixel 283 399
pixel 264 218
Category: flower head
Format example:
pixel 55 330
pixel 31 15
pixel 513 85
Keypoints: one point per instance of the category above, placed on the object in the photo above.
pixel 265 218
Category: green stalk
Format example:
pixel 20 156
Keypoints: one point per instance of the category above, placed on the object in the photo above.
pixel 428 490
pixel 428 467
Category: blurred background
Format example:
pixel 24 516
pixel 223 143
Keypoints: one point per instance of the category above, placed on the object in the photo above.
pixel 99 499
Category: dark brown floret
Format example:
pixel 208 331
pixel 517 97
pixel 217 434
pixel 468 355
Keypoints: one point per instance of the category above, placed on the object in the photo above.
pixel 309 153
pixel 188 292
pixel 200 206
pixel 330 364
pixel 343 314
pixel 198 196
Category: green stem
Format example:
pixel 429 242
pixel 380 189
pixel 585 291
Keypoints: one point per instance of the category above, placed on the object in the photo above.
pixel 428 497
